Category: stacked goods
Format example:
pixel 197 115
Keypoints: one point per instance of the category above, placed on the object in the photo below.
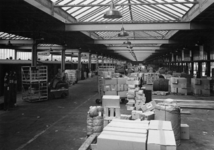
pixel 71 76
pixel 122 87
pixel 149 78
pixel 136 135
pixel 140 99
pixel 200 86
pixel 110 86
pixel 131 97
pixel 176 74
pixel 94 120
pixel 169 111
pixel 123 135
pixel 111 105
pixel 178 85
pixel 160 136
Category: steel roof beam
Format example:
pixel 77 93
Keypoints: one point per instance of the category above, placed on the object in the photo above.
pixel 133 27
pixel 161 41
pixel 134 48
pixel 40 47
pixel 16 41
pixel 127 4
pixel 193 13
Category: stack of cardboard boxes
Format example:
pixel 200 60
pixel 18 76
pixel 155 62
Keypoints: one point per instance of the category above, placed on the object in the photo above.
pixel 115 86
pixel 137 135
pixel 149 78
pixel 179 85
pixel 72 76
pixel 200 86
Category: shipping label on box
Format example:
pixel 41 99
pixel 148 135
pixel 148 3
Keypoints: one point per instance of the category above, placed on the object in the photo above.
pixel 185 131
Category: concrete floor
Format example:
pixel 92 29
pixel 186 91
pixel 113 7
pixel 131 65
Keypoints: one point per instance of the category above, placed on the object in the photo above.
pixel 60 124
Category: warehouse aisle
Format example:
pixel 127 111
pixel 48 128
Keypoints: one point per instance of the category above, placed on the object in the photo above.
pixel 58 124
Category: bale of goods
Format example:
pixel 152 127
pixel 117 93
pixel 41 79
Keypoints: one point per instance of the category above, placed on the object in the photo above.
pixel 161 85
pixel 94 120
pixel 170 112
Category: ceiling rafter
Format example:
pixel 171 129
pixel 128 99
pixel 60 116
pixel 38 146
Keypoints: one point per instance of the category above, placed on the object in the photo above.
pixel 101 5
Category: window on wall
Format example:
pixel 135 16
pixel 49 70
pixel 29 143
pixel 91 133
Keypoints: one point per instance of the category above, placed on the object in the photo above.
pixel 24 55
pixel 57 58
pixel 195 69
pixel 7 53
pixel 212 55
pixel 204 69
pixel 43 58
pixel 189 68
pixel 211 69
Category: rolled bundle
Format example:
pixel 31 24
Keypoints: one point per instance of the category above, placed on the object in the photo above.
pixel 89 125
pixel 170 112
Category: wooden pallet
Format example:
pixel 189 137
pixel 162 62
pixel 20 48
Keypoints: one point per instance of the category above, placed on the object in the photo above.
pixel 88 144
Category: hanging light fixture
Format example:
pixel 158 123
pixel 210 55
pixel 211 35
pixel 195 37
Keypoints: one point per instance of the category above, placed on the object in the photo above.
pixel 122 33
pixel 112 13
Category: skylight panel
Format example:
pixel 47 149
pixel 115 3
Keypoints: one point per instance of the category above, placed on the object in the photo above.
pixel 86 12
pixel 176 9
pixel 172 11
pixel 182 7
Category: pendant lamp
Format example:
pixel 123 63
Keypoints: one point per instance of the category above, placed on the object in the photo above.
pixel 122 33
pixel 112 13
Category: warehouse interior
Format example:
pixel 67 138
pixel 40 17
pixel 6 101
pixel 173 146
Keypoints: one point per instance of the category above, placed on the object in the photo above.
pixel 62 62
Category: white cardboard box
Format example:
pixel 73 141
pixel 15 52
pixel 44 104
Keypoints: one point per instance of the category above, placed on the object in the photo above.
pixel 184 131
pixel 137 125
pixel 160 125
pixel 111 100
pixel 161 139
pixel 128 130
pixel 121 141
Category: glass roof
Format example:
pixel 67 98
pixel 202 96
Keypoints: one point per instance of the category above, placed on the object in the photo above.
pixel 7 36
pixel 133 11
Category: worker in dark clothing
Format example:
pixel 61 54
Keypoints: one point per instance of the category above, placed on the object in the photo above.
pixel 87 71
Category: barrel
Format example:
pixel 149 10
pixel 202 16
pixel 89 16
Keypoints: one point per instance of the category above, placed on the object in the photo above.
pixel 161 85
pixel 170 112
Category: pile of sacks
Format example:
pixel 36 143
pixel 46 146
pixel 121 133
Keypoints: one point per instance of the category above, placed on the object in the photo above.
pixel 94 120
pixel 131 95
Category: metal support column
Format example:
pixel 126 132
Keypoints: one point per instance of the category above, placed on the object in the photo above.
pixel 89 62
pixel 34 54
pixel 208 62
pixel 51 57
pixel 97 63
pixel 79 66
pixel 192 63
pixel 63 60
pixel 15 54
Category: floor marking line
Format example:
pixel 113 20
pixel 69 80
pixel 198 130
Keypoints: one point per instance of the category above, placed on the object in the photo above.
pixel 36 136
